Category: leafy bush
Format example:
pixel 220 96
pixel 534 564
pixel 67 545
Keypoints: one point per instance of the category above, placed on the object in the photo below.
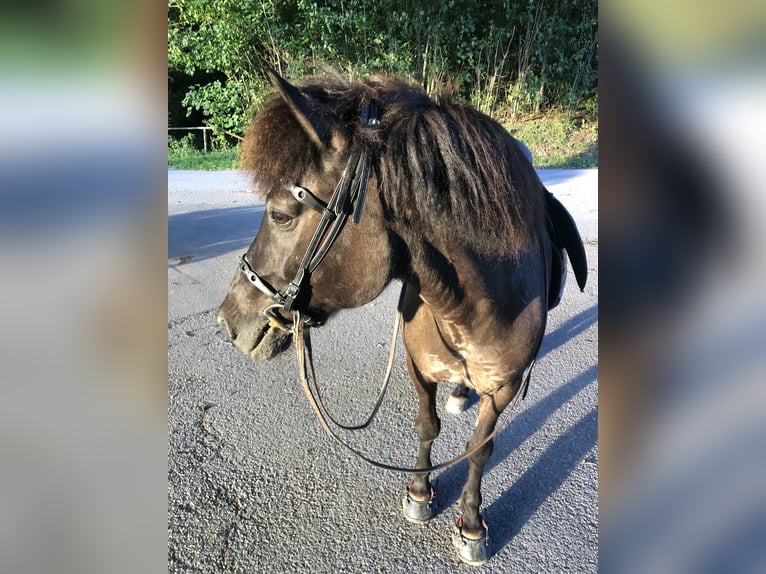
pixel 506 57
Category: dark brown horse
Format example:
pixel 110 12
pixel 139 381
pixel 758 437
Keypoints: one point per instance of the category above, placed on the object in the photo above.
pixel 453 210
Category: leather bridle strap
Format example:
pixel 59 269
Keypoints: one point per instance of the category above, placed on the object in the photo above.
pixel 306 365
pixel 349 193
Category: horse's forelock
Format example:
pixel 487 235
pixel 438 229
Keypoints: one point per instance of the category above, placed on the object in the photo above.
pixel 276 148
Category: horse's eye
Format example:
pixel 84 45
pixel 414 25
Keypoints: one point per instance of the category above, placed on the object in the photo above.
pixel 281 219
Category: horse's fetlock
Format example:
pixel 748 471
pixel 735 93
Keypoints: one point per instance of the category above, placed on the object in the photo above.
pixel 420 490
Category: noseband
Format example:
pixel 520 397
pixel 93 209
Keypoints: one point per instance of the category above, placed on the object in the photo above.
pixel 347 198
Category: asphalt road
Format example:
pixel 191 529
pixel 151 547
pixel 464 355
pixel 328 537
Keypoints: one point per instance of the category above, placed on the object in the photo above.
pixel 255 485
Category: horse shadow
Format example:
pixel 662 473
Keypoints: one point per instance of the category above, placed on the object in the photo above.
pixel 568 330
pixel 520 502
pixel 524 425
pixel 200 235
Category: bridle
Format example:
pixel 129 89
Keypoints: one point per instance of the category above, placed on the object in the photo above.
pixel 347 199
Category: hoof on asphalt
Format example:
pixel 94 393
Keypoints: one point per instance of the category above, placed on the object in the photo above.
pixel 418 511
pixel 470 551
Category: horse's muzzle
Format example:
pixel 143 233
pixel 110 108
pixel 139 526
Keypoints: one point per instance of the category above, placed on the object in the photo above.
pixel 257 338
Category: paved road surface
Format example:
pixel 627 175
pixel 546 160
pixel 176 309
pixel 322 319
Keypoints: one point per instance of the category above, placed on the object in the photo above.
pixel 255 485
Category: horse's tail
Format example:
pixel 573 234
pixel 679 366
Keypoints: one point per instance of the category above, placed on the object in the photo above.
pixel 564 237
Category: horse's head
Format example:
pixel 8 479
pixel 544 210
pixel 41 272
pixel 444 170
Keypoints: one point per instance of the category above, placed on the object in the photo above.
pixel 298 149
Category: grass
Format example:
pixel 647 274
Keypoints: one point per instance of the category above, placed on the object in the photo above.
pixel 557 139
pixel 560 139
pixel 183 154
pixel 196 159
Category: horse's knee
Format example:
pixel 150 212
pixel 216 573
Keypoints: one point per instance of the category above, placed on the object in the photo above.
pixel 428 426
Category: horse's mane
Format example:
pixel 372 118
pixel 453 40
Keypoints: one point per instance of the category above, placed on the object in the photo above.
pixel 441 167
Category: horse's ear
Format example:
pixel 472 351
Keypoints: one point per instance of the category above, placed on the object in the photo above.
pixel 303 109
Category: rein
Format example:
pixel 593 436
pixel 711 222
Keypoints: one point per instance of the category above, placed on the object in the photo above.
pixel 306 370
pixel 302 339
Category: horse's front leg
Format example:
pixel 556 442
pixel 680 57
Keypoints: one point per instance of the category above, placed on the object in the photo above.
pixel 470 532
pixel 417 502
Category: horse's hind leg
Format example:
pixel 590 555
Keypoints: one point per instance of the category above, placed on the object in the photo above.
pixel 470 532
pixel 417 502
pixel 457 399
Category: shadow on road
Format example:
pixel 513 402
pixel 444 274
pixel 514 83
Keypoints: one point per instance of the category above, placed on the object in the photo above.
pixel 568 330
pixel 200 235
pixel 521 427
pixel 518 504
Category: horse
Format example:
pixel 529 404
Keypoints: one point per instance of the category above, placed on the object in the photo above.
pixel 442 199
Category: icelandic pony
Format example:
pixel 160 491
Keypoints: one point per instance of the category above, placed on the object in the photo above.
pixel 444 201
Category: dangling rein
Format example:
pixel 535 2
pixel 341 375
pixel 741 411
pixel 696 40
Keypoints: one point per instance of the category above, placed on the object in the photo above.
pixel 302 339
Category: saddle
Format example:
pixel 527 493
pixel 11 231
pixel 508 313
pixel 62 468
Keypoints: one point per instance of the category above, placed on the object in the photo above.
pixel 564 236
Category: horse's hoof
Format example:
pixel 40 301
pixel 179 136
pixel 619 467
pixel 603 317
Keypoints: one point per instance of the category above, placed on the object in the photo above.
pixel 456 404
pixel 418 511
pixel 470 551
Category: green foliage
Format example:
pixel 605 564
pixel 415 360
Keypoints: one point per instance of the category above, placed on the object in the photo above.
pixel 506 57
pixel 211 39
